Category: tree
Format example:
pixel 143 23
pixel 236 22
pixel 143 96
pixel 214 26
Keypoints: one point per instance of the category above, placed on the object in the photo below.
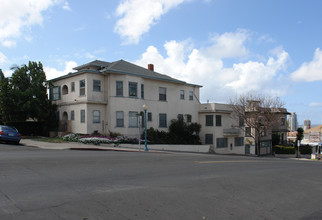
pixel 300 134
pixel 24 96
pixel 181 132
pixel 258 115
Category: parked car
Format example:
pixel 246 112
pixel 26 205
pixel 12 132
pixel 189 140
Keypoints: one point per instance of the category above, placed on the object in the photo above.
pixel 9 134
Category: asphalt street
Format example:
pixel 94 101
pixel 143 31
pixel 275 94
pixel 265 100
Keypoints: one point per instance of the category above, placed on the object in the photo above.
pixel 69 184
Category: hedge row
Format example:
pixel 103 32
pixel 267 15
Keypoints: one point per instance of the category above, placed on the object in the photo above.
pixel 280 149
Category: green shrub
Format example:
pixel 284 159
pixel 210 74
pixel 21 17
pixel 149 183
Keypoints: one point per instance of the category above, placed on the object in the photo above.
pixel 305 149
pixel 280 149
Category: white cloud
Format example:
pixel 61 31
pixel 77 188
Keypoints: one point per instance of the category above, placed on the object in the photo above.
pixel 54 73
pixel 18 14
pixel 3 58
pixel 9 43
pixel 66 6
pixel 205 66
pixel 137 16
pixel 315 104
pixel 311 71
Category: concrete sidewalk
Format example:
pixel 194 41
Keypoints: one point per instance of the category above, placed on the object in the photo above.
pixel 77 146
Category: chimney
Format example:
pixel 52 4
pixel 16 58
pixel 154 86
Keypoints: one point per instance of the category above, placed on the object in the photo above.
pixel 151 67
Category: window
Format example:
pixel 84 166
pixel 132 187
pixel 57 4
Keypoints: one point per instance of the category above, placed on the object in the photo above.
pixel 119 88
pixel 162 94
pixel 190 95
pixel 96 116
pixel 209 120
pixel 218 120
pixel 189 118
pixel 149 116
pixel 64 90
pixel 248 131
pixel 209 139
pixel 162 120
pixel 241 121
pixel 133 119
pixel 142 91
pixel 282 121
pixel 180 116
pixel 82 116
pixel 72 86
pixel 82 87
pixel 239 141
pixel 133 89
pixel 181 94
pixel 56 93
pixel 222 142
pixel 96 85
pixel 119 119
pixel 72 115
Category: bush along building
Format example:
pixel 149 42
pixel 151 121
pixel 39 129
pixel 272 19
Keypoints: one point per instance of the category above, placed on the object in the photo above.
pixel 108 97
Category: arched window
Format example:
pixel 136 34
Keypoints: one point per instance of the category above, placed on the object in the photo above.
pixel 65 90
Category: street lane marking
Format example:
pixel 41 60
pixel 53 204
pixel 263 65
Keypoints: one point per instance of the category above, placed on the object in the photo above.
pixel 228 161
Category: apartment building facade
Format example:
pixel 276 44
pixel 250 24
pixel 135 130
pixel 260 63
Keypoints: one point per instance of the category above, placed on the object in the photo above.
pixel 103 97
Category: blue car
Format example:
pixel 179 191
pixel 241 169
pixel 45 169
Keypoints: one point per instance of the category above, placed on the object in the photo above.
pixel 9 134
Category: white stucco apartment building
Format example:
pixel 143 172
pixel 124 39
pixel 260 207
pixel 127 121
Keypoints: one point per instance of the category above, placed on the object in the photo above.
pixel 107 97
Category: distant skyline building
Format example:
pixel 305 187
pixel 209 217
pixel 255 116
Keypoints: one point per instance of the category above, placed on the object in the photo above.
pixel 293 123
pixel 307 124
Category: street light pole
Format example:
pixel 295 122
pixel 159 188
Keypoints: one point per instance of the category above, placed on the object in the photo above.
pixel 145 142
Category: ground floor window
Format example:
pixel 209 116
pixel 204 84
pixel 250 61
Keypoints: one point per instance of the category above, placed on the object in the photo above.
pixel 96 116
pixel 209 139
pixel 133 119
pixel 119 119
pixel 82 116
pixel 222 142
pixel 72 115
pixel 239 141
pixel 162 120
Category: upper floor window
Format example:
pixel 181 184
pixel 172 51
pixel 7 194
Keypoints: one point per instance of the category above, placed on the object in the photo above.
pixel 248 131
pixel 190 95
pixel 218 120
pixel 162 94
pixel 119 119
pixel 72 86
pixel 82 87
pixel 55 93
pixel 133 89
pixel 209 120
pixel 96 85
pixel 96 116
pixel 142 91
pixel 283 120
pixel 181 94
pixel 180 117
pixel 64 90
pixel 119 88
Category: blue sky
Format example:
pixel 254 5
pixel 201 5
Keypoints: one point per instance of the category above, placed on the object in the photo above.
pixel 228 46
